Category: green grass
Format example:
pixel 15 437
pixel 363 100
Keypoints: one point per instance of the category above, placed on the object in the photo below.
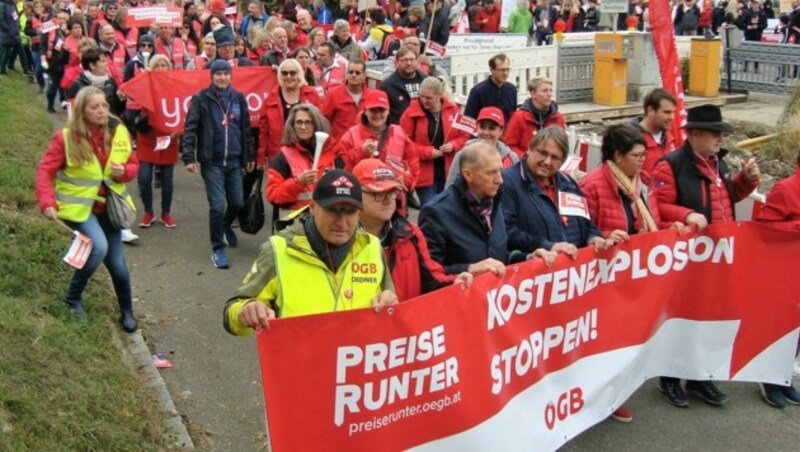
pixel 63 385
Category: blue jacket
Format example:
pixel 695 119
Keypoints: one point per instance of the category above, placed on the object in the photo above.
pixel 487 94
pixel 456 236
pixel 531 217
pixel 204 140
pixel 9 24
pixel 246 23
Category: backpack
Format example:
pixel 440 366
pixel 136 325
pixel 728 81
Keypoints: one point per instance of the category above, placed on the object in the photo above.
pixel 690 19
pixel 389 45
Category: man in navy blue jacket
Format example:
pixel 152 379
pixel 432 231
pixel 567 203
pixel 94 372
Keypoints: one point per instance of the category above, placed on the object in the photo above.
pixel 464 224
pixel 217 135
pixel 495 91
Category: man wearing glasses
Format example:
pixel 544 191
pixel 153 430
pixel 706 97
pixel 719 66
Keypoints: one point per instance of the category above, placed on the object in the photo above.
pixel 343 102
pixel 217 136
pixel 208 54
pixel 403 85
pixel 495 91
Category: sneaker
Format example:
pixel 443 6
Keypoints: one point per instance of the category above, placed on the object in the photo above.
pixel 773 395
pixel 673 393
pixel 147 220
pixel 219 258
pixel 128 236
pixel 622 415
pixel 168 221
pixel 79 311
pixel 707 391
pixel 64 104
pixel 231 238
pixel 791 394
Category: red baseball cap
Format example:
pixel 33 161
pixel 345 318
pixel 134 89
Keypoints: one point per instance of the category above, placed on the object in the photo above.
pixel 493 114
pixel 376 99
pixel 375 177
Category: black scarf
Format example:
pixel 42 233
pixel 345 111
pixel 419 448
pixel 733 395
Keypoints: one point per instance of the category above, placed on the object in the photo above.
pixel 331 255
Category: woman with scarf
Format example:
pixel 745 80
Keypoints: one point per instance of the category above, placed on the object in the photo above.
pixel 95 73
pixel 84 163
pixel 291 175
pixel 619 203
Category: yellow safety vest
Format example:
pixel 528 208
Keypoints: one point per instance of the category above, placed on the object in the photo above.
pixel 77 186
pixel 307 286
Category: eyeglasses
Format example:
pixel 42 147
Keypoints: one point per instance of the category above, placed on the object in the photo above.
pixel 150 46
pixel 407 60
pixel 288 73
pixel 303 123
pixel 546 155
pixel 386 195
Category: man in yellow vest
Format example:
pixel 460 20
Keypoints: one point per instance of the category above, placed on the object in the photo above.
pixel 321 263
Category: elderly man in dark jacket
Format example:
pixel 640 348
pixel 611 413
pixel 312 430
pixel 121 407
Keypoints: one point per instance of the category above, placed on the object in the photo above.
pixel 464 225
pixel 217 135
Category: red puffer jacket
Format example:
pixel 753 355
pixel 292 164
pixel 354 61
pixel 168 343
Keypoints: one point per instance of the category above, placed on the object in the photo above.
pixel 340 110
pixel 413 271
pixel 282 188
pixel 415 124
pixel 271 121
pixel 524 124
pixel 717 196
pixel 782 209
pixel 606 203
pixel 398 152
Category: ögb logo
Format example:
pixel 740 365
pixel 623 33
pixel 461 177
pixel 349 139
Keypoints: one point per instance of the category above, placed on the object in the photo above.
pixel 568 403
pixel 364 268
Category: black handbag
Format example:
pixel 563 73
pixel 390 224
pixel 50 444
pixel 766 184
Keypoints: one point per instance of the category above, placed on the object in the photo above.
pixel 251 217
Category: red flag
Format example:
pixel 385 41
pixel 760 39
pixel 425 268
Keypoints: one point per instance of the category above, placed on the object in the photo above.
pixel 165 95
pixel 668 62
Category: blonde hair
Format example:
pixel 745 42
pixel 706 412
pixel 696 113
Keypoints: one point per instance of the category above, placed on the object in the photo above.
pixel 260 36
pixel 439 87
pixel 272 23
pixel 85 44
pixel 157 58
pixel 80 150
pixel 296 64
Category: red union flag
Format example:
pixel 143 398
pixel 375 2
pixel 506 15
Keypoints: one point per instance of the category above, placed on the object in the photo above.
pixel 166 94
pixel 464 123
pixel 668 62
pixel 435 49
pixel 552 349
pixel 147 15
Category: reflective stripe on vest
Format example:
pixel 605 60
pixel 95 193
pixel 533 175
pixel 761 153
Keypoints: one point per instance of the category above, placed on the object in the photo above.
pixel 308 287
pixel 298 164
pixel 77 185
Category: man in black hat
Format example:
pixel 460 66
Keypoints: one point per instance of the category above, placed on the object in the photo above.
pixel 694 186
pixel 217 135
pixel 223 36
pixel 321 263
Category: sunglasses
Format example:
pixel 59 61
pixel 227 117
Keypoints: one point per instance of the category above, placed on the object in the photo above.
pixel 288 73
pixel 149 46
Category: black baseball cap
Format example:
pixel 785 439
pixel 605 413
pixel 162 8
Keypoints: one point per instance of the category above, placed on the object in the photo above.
pixel 338 186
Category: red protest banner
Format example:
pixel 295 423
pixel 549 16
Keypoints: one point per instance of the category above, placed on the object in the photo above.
pixel 147 15
pixel 465 369
pixel 668 61
pixel 166 94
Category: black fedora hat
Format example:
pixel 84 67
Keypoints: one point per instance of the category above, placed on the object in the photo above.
pixel 706 117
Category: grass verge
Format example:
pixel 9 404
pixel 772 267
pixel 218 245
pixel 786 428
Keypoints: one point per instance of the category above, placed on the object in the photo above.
pixel 63 385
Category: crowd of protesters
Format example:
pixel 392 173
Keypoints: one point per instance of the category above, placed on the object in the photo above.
pixel 487 196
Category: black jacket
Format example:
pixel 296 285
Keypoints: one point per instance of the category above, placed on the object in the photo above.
pixel 440 33
pixel 400 92
pixel 456 236
pixel 488 94
pixel 198 134
pixel 109 89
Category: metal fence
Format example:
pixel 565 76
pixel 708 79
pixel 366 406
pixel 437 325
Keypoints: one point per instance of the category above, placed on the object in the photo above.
pixel 762 67
pixel 575 73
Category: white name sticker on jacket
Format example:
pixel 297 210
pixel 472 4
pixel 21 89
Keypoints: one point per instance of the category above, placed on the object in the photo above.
pixel 570 204
pixel 162 143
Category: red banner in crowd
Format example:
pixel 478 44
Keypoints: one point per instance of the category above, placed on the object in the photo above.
pixel 166 94
pixel 668 62
pixel 147 15
pixel 532 359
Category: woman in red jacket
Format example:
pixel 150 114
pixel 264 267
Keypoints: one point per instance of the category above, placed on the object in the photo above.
pixel 413 271
pixel 782 209
pixel 619 203
pixel 76 32
pixel 374 138
pixel 156 150
pixel 292 177
pixel 292 90
pixel 84 162
pixel 428 122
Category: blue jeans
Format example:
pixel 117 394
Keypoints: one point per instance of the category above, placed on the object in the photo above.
pixel 425 194
pixel 146 186
pixel 106 248
pixel 225 199
pixel 37 67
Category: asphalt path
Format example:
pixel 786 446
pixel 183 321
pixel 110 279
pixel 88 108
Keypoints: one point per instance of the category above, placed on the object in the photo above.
pixel 215 380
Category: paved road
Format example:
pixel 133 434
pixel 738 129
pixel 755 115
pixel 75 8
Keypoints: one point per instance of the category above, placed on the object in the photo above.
pixel 216 386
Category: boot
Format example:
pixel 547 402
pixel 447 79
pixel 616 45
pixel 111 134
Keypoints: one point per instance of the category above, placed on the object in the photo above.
pixel 128 321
